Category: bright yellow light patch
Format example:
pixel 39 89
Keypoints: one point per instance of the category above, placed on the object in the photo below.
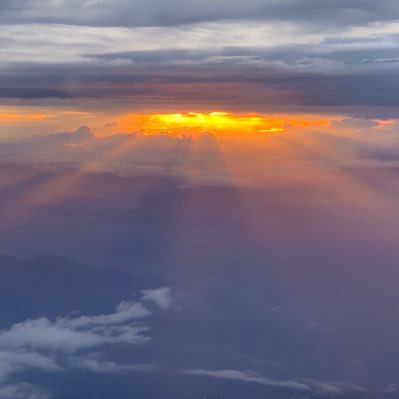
pixel 216 120
pixel 192 122
pixel 224 122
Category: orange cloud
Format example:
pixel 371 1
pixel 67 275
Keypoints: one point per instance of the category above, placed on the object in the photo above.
pixel 383 124
pixel 192 122
pixel 10 117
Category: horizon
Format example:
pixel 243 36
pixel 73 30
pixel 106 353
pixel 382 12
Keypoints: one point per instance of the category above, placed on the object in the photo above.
pixel 198 199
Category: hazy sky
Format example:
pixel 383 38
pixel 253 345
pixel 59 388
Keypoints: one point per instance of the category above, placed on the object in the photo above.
pixel 198 199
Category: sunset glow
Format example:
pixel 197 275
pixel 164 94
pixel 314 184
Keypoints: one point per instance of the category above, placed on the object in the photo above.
pixel 194 122
pixel 8 117
pixel 199 199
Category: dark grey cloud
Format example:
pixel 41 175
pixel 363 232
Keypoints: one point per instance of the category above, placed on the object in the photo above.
pixel 291 55
pixel 254 65
pixel 174 12
pixel 245 87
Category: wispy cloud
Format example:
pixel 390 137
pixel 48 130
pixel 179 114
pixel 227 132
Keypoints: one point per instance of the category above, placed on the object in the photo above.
pixel 249 376
pixel 160 297
pixel 300 385
pixel 35 344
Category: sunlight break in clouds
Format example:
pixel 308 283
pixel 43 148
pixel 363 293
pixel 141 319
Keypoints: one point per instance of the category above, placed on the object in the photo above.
pixel 245 153
pixel 229 123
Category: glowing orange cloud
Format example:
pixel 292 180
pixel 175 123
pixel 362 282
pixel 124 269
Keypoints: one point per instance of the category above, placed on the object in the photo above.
pixel 193 122
pixel 7 117
pixel 383 124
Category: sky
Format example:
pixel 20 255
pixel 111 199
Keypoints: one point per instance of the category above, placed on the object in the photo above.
pixel 198 199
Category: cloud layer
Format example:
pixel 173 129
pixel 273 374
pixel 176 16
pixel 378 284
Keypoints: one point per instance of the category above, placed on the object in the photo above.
pixel 37 344
pixel 162 54
pixel 174 12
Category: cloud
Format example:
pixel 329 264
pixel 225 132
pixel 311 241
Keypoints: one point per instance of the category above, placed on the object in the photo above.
pixel 36 344
pixel 181 65
pixel 160 297
pixel 283 85
pixel 249 376
pixel 74 334
pixel 65 337
pixel 71 159
pixel 334 388
pixel 12 362
pixel 161 13
pixel 301 385
pixel 125 312
pixel 21 391
pixel 48 147
pixel 104 366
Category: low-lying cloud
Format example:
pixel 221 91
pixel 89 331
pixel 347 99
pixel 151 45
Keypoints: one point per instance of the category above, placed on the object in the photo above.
pixel 300 385
pixel 36 344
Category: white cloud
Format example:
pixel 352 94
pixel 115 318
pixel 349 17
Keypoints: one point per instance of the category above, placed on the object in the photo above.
pixel 250 376
pixel 18 360
pixel 161 297
pixel 125 311
pixel 334 388
pixel 70 335
pixel 303 385
pixel 21 391
pixel 104 366
pixel 34 344
pixel 57 43
pixel 12 361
